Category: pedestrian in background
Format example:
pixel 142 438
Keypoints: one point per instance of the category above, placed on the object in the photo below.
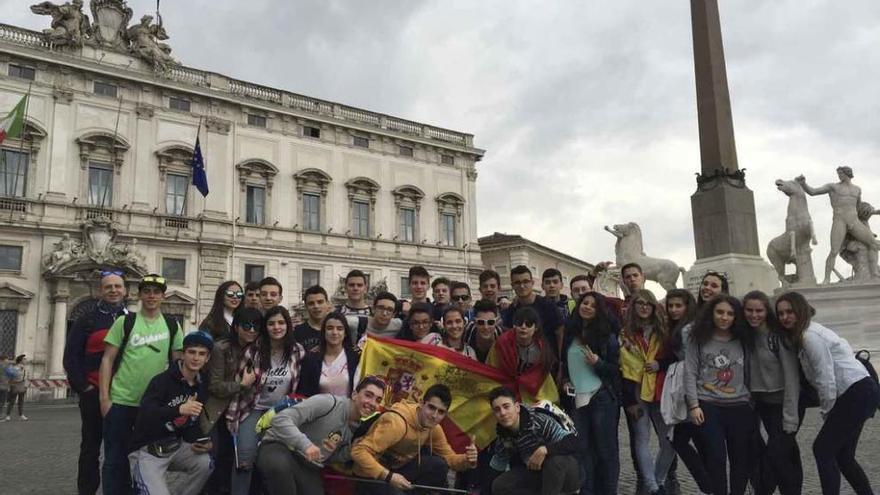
pixel 17 386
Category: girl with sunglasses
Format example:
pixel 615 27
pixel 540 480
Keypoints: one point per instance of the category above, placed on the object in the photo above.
pixel 593 358
pixel 227 299
pixel 276 359
pixel 524 355
pixel 226 382
pixel 330 370
pixel 642 345
pixel 848 396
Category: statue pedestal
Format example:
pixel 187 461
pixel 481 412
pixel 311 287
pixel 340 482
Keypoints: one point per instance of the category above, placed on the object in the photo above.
pixel 744 272
pixel 850 309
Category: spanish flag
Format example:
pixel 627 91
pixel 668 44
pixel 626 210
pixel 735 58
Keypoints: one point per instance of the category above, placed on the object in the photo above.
pixel 409 368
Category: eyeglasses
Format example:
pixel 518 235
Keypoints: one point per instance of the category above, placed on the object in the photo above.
pixel 461 298
pixel 383 309
pixel 154 280
pixel 490 323
pixel 248 326
pixel 105 273
pixel 234 293
pixel 417 323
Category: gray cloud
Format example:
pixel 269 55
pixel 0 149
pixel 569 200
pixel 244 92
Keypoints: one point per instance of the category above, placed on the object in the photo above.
pixel 589 103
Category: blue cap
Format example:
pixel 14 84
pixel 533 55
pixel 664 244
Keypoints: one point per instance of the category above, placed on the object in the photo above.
pixel 198 339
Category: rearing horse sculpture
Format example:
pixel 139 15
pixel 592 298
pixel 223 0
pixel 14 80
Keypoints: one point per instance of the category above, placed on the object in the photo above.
pixel 793 246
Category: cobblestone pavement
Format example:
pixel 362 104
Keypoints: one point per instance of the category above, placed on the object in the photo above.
pixel 39 456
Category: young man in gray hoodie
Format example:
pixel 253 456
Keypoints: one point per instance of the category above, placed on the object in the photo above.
pixel 318 430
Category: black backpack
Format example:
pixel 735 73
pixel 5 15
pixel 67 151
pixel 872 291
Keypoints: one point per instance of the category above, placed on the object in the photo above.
pixel 128 325
pixel 864 357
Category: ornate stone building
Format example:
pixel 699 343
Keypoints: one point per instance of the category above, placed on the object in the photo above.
pixel 300 188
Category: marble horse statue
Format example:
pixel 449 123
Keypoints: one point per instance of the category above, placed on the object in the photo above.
pixel 629 249
pixel 793 246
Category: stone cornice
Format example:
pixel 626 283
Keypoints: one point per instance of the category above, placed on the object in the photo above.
pixel 32 45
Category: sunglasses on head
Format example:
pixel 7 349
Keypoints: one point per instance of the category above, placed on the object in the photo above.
pixel 234 293
pixel 105 273
pixel 155 280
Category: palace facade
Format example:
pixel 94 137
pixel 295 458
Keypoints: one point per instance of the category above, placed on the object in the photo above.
pixel 300 188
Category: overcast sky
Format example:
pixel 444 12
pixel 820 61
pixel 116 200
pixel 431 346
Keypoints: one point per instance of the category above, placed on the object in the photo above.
pixel 590 103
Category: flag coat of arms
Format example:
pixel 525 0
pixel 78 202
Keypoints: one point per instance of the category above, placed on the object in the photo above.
pixel 13 123
pixel 409 368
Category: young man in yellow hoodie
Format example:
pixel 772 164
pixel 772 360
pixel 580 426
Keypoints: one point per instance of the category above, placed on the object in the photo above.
pixel 406 446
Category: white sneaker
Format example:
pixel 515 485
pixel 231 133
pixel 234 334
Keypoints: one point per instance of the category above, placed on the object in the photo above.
pixel 23 417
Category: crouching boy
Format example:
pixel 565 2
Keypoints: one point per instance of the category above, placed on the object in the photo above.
pixel 166 434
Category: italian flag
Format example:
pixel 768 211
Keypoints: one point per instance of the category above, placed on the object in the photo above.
pixel 12 124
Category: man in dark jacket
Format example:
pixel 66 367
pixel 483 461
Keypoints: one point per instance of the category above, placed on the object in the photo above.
pixel 167 436
pixel 533 452
pixel 82 359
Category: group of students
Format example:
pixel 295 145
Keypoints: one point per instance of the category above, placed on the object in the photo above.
pixel 254 403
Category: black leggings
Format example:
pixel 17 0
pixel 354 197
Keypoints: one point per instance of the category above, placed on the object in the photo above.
pixel 780 461
pixel 691 455
pixel 835 445
pixel 12 397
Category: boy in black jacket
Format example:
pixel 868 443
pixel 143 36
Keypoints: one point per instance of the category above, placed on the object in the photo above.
pixel 166 433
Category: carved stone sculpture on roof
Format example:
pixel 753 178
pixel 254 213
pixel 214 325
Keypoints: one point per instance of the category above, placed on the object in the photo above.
pixel 111 19
pixel 70 27
pixel 146 43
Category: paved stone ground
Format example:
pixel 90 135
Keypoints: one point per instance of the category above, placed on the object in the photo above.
pixel 39 456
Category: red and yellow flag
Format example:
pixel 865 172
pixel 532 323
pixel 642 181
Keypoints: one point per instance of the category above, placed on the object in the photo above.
pixel 409 368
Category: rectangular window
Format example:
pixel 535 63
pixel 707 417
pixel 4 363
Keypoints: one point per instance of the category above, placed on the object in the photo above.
pixel 256 120
pixel 312 132
pixel 256 205
pixel 254 273
pixel 447 224
pixel 22 72
pixel 367 280
pixel 310 278
pixel 181 104
pixel 312 212
pixel 361 142
pixel 407 225
pixel 105 89
pixel 406 151
pixel 10 258
pixel 8 331
pixel 174 269
pixel 100 185
pixel 404 288
pixel 13 173
pixel 447 159
pixel 360 219
pixel 175 193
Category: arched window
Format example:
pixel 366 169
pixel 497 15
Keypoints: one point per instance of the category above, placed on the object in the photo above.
pixel 101 155
pixel 256 178
pixel 449 209
pixel 18 157
pixel 362 193
pixel 175 176
pixel 408 205
pixel 311 195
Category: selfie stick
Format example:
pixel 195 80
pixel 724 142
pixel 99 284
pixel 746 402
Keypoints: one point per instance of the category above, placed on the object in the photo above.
pixel 367 480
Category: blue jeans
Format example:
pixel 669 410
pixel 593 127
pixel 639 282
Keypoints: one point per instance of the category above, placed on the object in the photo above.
pixel 240 483
pixel 598 450
pixel 727 434
pixel 118 427
pixel 653 470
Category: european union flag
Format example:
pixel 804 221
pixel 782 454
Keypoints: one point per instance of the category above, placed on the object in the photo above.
pixel 200 178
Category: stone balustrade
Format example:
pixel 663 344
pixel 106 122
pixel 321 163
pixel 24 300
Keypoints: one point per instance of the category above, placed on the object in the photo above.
pixel 222 84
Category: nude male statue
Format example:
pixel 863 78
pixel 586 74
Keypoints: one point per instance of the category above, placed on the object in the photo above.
pixel 845 198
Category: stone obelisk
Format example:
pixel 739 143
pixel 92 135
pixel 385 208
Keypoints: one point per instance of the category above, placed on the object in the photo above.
pixel 723 208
